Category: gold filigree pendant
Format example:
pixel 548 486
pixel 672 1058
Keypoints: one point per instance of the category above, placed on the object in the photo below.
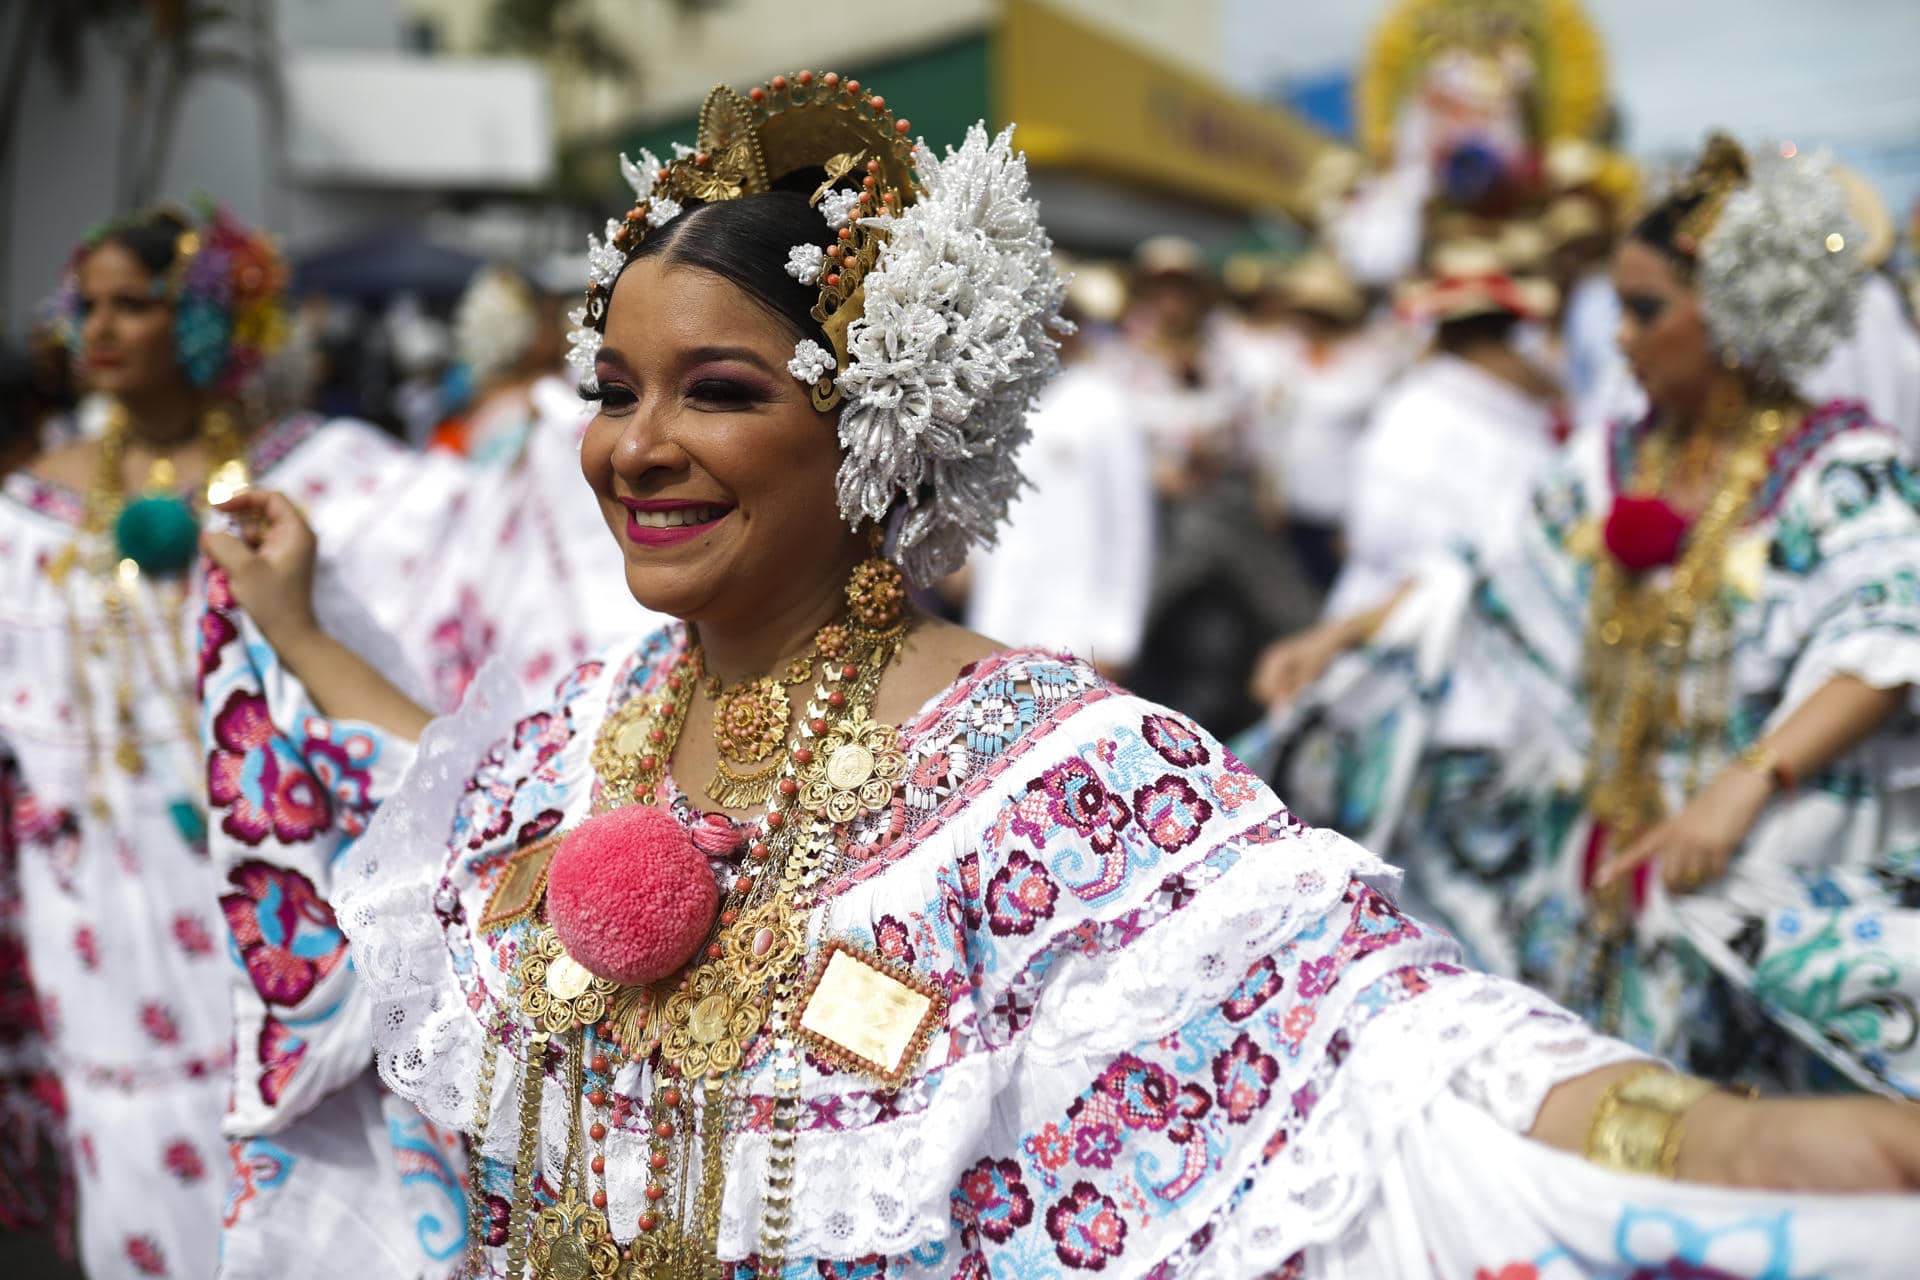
pixel 557 992
pixel 572 1241
pixel 853 769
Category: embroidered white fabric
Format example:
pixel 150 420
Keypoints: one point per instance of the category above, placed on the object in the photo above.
pixel 891 1182
pixel 426 1041
pixel 1407 1055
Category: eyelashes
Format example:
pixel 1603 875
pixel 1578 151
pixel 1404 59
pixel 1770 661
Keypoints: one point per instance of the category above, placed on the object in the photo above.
pixel 711 391
pixel 1643 308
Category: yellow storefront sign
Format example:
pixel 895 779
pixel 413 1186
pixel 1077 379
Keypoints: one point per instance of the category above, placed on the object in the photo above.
pixel 1088 101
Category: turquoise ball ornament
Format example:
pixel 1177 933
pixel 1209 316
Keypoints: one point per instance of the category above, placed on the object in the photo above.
pixel 159 533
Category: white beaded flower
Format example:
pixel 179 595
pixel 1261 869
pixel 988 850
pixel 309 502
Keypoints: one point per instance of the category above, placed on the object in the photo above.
pixel 583 345
pixel 661 212
pixel 837 207
pixel 811 361
pixel 1779 272
pixel 803 262
pixel 641 174
pixel 604 261
pixel 949 352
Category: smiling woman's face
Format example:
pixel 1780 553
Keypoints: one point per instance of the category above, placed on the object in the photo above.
pixel 712 468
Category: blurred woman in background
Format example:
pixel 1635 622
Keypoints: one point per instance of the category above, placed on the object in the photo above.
pixel 155 986
pixel 1651 747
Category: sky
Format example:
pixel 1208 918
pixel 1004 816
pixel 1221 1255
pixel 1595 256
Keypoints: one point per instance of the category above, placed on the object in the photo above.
pixel 1845 73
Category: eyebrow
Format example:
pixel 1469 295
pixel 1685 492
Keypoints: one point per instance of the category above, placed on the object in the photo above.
pixel 699 355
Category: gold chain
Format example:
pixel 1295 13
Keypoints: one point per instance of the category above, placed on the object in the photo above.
pixel 696 1029
pixel 1639 637
pixel 476 1163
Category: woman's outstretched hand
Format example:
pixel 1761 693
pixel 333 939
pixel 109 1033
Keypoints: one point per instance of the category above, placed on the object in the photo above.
pixel 1802 1144
pixel 1782 1144
pixel 1288 667
pixel 270 567
pixel 1695 846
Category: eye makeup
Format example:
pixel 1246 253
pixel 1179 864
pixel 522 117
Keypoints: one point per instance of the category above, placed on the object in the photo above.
pixel 1645 308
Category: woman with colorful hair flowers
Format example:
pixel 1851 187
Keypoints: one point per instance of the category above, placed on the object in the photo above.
pixel 1692 812
pixel 164 966
pixel 808 935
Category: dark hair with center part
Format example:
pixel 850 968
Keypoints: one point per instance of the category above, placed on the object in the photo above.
pixel 745 242
pixel 1659 229
pixel 152 237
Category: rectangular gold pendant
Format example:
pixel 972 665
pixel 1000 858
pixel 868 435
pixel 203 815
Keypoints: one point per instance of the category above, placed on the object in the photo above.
pixel 867 1014
pixel 522 881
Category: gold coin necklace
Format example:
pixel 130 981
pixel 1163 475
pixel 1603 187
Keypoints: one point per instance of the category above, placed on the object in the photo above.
pixel 692 1033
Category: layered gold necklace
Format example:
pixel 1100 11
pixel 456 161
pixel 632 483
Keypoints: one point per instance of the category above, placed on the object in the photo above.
pixel 694 1032
pixel 152 534
pixel 1641 633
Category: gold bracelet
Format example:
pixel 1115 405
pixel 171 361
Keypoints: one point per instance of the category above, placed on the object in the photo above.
pixel 1765 760
pixel 1636 1124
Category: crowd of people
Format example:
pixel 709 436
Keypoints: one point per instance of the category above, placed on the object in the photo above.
pixel 776 815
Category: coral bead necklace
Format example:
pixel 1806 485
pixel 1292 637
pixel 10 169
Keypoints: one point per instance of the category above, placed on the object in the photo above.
pixel 633 963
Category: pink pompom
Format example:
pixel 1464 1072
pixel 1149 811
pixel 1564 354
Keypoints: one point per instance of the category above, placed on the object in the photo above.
pixel 629 896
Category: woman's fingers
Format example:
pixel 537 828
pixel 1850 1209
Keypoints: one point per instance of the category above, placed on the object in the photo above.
pixel 226 551
pixel 1644 849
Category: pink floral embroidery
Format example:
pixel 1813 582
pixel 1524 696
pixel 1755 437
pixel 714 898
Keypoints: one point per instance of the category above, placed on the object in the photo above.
pixel 458 645
pixel 86 948
pixel 1095 1145
pixel 342 760
pixel 1141 1094
pixel 1019 896
pixel 158 1022
pixel 252 774
pixel 1243 1077
pixel 1087 1229
pixel 280 1054
pixel 1176 742
pixel 182 1160
pixel 215 633
pixel 191 935
pixel 1512 1271
pixel 1049 1147
pixel 991 1201
pixel 144 1253
pixel 285 932
pixel 1299 1022
pixel 1171 812
pixel 1235 791
pixel 893 940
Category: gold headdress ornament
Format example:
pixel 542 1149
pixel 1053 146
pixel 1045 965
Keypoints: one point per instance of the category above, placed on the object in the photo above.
pixel 938 297
pixel 1721 170
pixel 747 144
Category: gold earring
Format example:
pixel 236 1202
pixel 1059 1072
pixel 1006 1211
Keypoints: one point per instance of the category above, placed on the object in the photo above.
pixel 877 590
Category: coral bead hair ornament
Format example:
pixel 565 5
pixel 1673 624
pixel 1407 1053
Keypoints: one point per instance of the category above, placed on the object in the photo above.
pixel 938 297
pixel 629 895
pixel 1777 256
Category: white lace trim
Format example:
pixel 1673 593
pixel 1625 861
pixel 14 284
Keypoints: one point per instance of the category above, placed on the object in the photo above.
pixel 1545 1048
pixel 426 1040
pixel 1403 1058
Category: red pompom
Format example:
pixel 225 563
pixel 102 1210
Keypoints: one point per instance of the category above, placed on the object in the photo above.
pixel 629 896
pixel 1644 533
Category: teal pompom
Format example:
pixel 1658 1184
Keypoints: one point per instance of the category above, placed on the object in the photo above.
pixel 189 822
pixel 158 532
